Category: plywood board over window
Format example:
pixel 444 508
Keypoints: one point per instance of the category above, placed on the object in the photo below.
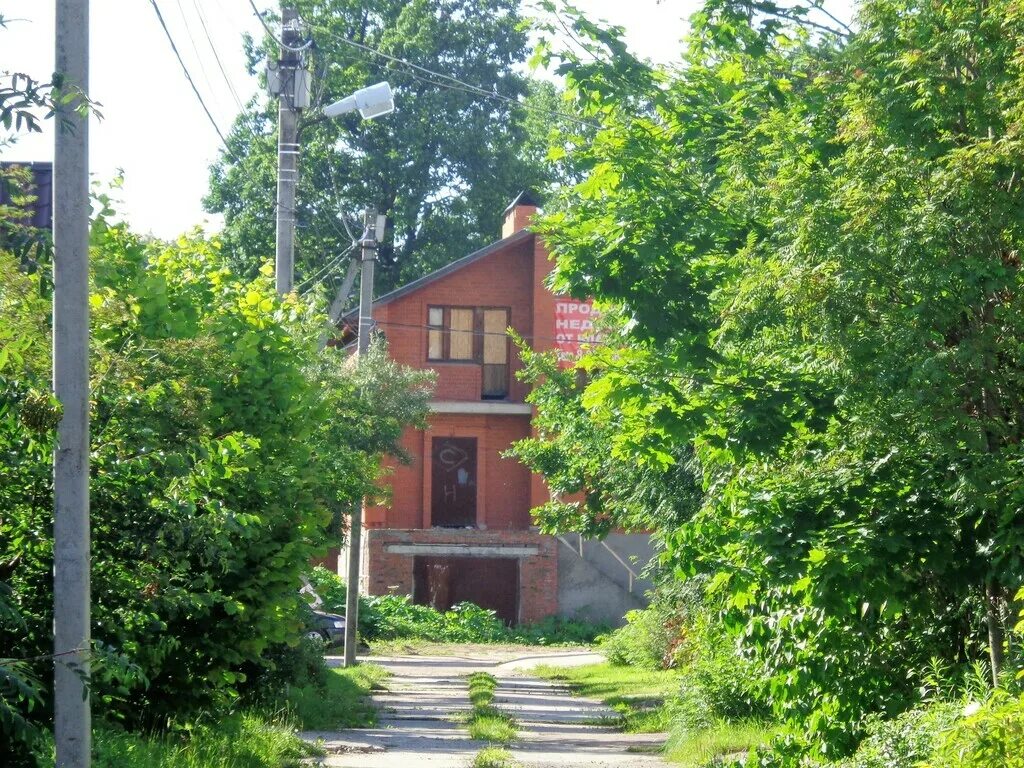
pixel 461 339
pixel 495 373
pixel 435 333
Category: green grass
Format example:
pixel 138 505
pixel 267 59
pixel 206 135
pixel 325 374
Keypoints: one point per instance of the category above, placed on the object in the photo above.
pixel 494 757
pixel 246 740
pixel 342 703
pixel 638 695
pixel 488 724
pixel 481 688
pixel 694 749
pixel 485 722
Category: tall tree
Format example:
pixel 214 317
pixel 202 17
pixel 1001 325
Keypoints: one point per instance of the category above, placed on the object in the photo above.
pixel 442 167
pixel 813 237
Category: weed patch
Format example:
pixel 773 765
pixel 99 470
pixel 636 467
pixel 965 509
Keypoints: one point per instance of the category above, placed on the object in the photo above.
pixel 247 740
pixel 341 702
pixel 494 757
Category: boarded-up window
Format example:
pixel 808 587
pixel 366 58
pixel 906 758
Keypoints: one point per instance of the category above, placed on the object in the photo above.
pixel 461 338
pixel 472 335
pixel 495 373
pixel 435 333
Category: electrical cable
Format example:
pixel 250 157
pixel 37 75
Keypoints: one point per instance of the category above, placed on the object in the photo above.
pixel 195 48
pixel 191 82
pixel 310 282
pixel 413 326
pixel 452 83
pixel 216 56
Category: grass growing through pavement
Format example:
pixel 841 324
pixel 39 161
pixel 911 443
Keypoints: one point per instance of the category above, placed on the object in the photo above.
pixel 490 725
pixel 342 703
pixel 485 722
pixel 494 757
pixel 640 696
pixel 481 688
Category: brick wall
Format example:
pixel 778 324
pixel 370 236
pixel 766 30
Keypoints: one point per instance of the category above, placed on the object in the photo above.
pixel 538 574
pixel 503 485
pixel 503 279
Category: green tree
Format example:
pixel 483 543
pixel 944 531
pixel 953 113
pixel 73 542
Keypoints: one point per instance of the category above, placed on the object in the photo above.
pixel 812 236
pixel 225 447
pixel 442 167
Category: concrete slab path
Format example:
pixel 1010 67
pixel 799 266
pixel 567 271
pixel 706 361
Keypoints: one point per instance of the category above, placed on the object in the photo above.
pixel 419 719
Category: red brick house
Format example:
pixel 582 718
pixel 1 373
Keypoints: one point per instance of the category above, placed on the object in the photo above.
pixel 458 524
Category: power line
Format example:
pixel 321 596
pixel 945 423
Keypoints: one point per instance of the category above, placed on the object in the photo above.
pixel 310 282
pixel 216 56
pixel 188 77
pixel 195 48
pixel 525 337
pixel 453 83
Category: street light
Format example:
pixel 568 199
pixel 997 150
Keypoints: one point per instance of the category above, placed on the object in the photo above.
pixel 372 101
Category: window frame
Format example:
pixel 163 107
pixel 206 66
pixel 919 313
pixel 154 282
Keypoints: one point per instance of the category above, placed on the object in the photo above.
pixel 477 330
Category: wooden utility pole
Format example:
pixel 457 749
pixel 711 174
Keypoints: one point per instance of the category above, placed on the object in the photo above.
pixel 374 226
pixel 289 68
pixel 71 636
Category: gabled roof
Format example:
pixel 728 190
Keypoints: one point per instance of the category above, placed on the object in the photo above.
pixel 519 237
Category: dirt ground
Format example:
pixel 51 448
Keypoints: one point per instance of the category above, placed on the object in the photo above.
pixel 419 715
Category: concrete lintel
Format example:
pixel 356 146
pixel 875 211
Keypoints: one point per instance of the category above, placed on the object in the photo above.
pixel 486 407
pixel 461 550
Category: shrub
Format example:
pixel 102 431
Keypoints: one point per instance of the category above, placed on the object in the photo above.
pixel 646 640
pixel 991 736
pixel 396 617
pixel 905 741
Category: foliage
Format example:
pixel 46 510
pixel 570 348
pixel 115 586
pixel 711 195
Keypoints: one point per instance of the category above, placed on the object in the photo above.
pixel 905 741
pixel 246 740
pixel 488 724
pixel 340 701
pixel 224 449
pixel 494 757
pixel 442 168
pixel 647 640
pixel 809 240
pixel 396 617
pixel 992 735
pixel 481 688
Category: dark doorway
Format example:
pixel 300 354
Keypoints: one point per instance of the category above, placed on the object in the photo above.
pixel 453 482
pixel 490 582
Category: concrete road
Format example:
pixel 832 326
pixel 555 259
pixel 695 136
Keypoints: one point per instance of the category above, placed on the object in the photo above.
pixel 420 709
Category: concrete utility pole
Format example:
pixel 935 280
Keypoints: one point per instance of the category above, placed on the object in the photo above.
pixel 71 636
pixel 374 226
pixel 290 81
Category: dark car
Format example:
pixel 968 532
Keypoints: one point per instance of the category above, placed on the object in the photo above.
pixel 328 627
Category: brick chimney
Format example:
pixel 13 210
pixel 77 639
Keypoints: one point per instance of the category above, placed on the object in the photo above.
pixel 519 213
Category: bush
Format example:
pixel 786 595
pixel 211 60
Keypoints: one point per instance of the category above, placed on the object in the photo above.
pixel 202 381
pixel 993 735
pixel 646 641
pixel 396 617
pixel 905 741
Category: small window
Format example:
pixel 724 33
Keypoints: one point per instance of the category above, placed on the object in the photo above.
pixel 435 333
pixel 461 339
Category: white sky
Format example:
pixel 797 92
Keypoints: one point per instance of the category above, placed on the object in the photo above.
pixel 153 127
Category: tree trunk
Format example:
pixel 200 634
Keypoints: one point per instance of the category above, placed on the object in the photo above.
pixel 996 638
